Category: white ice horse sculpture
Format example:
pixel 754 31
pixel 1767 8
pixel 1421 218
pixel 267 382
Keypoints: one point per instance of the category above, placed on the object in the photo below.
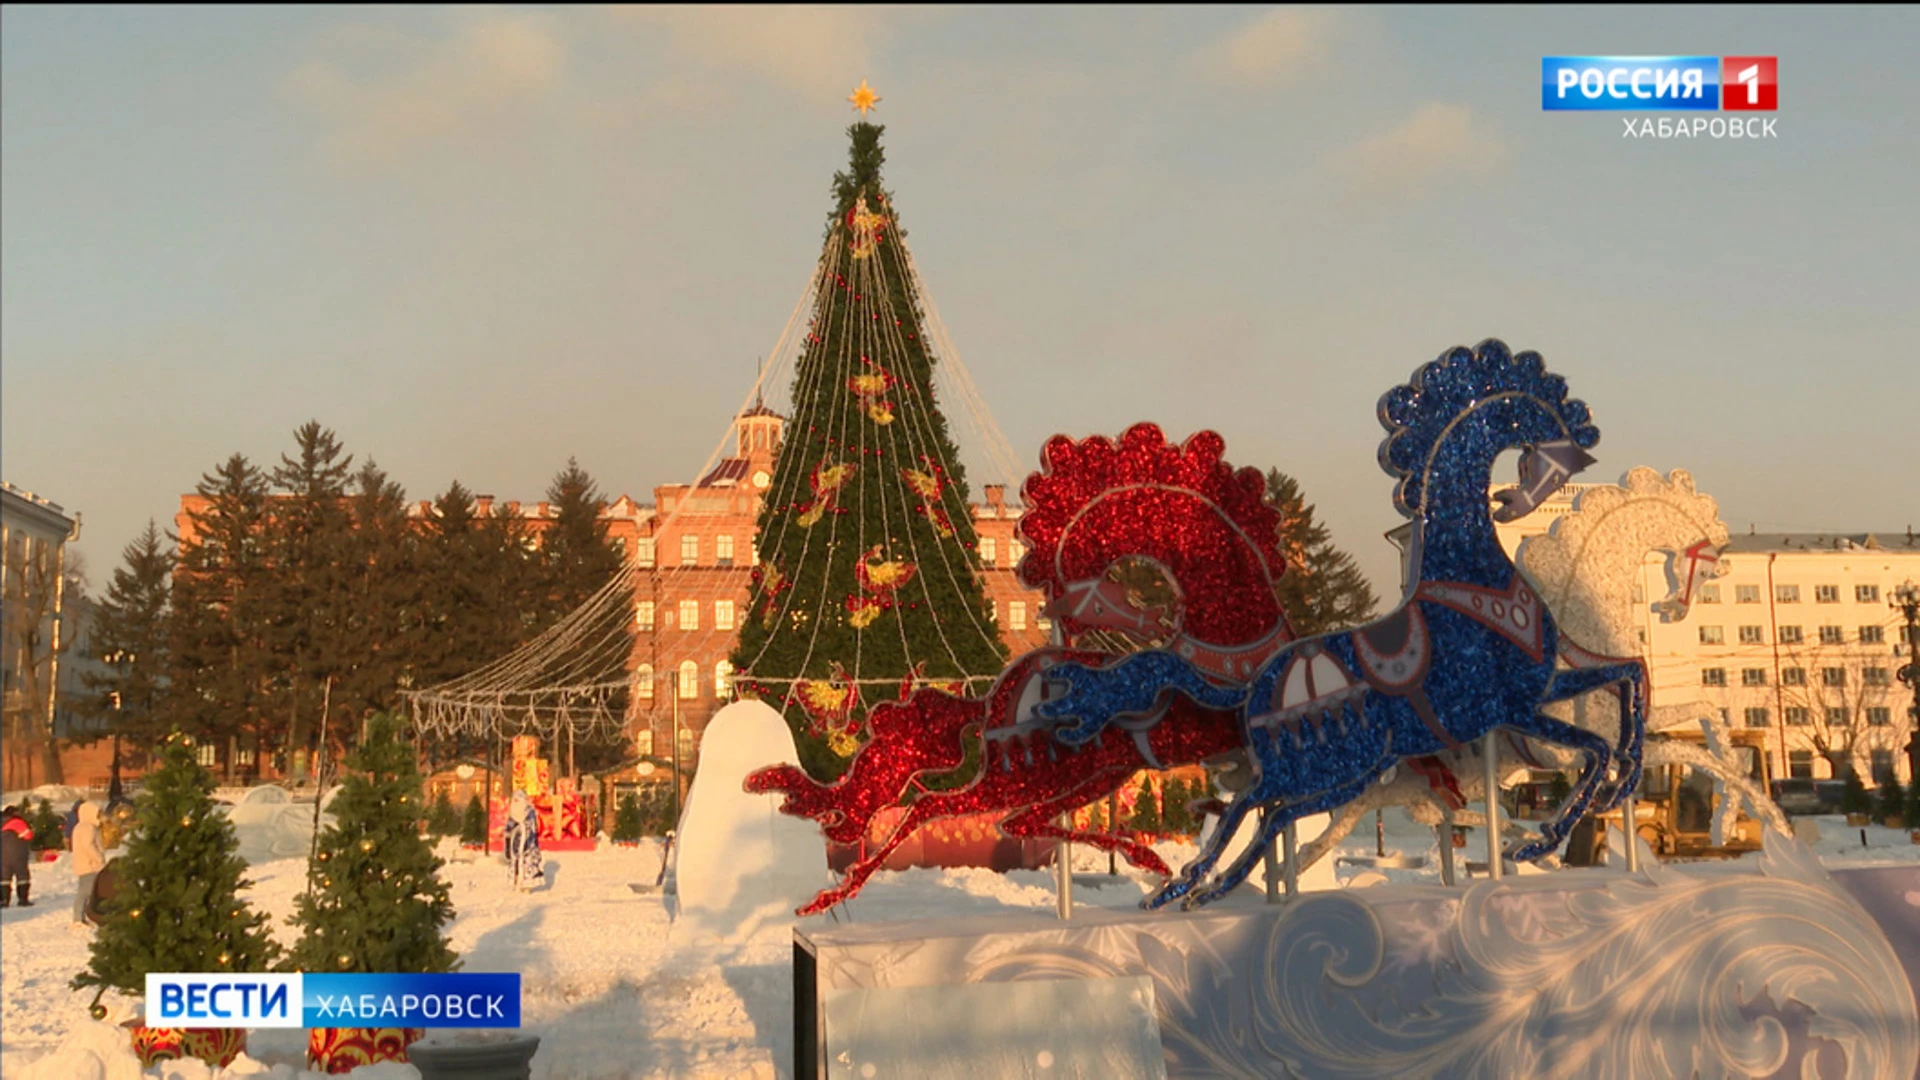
pixel 1585 569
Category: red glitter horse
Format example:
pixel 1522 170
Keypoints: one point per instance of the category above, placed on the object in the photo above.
pixel 1209 532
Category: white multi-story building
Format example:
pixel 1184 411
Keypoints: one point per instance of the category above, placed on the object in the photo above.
pixel 1797 636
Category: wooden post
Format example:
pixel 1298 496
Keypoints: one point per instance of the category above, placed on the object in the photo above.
pixel 1490 763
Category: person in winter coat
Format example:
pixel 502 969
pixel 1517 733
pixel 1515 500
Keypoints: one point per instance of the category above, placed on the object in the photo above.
pixel 16 857
pixel 88 859
pixel 72 822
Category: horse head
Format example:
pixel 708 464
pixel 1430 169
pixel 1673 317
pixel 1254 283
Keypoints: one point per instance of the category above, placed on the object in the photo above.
pixel 1202 526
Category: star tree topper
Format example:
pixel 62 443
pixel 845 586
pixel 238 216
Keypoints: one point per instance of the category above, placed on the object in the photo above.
pixel 864 98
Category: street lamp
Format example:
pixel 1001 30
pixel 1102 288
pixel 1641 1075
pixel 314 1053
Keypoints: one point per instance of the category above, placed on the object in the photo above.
pixel 121 659
pixel 1907 599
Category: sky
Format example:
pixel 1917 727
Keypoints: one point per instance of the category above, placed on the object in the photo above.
pixel 475 242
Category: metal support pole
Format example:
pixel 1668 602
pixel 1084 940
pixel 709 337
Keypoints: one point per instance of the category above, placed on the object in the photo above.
pixel 1063 872
pixel 1271 865
pixel 1631 834
pixel 1490 765
pixel 1444 831
pixel 1290 838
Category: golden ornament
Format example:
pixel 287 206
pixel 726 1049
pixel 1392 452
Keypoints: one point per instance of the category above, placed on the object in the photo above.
pixel 863 98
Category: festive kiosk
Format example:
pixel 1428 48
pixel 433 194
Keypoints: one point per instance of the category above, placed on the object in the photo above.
pixel 1769 965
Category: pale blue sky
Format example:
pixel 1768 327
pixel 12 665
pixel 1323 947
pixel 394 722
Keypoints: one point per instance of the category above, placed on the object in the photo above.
pixel 477 241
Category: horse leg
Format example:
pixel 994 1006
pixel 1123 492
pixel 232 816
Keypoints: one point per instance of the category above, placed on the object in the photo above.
pixel 1597 752
pixel 1271 822
pixel 857 874
pixel 1038 823
pixel 1628 680
pixel 1229 824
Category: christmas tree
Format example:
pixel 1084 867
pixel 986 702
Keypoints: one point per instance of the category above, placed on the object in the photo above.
pixel 376 902
pixel 627 825
pixel 1146 811
pixel 473 825
pixel 442 820
pixel 867 576
pixel 178 906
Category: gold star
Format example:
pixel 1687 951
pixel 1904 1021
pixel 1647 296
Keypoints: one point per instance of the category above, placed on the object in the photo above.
pixel 864 98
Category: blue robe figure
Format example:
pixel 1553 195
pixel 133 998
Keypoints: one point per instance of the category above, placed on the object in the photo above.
pixel 522 835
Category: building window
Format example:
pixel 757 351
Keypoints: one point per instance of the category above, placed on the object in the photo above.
pixel 1832 635
pixel 1866 594
pixel 689 614
pixel 1753 676
pixel 1710 594
pixel 1790 635
pixel 1786 594
pixel 1713 676
pixel 1836 716
pixel 689 680
pixel 1793 676
pixel 207 754
pixel 1798 716
pixel 1015 552
pixel 1757 717
pixel 753 554
pixel 1883 768
pixel 643 551
pixel 723 550
pixel 723 614
pixel 1879 716
pixel 1016 615
pixel 643 742
pixel 643 614
pixel 993 610
pixel 1712 635
pixel 1873 635
pixel 689 551
pixel 1043 624
pixel 643 682
pixel 1800 764
pixel 1833 676
pixel 1639 593
pixel 1746 594
pixel 686 742
pixel 989 550
pixel 1826 594
pixel 1753 635
pixel 1874 676
pixel 723 680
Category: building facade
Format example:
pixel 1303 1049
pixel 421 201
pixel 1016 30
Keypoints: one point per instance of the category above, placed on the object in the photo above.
pixel 1798 637
pixel 36 634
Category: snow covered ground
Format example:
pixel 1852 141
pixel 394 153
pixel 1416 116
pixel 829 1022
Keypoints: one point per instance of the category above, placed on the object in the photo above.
pixel 613 988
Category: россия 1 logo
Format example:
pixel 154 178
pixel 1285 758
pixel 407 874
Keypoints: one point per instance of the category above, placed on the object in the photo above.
pixel 1660 83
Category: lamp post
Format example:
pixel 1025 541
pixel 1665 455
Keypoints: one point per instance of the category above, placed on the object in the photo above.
pixel 120 659
pixel 1906 598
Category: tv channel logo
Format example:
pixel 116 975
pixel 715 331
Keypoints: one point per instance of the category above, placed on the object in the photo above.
pixel 1660 83
pixel 241 1000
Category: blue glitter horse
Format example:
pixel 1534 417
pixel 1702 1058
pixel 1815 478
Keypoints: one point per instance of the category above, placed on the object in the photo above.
pixel 1469 649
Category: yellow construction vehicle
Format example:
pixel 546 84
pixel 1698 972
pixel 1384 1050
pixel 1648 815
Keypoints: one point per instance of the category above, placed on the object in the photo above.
pixel 1675 807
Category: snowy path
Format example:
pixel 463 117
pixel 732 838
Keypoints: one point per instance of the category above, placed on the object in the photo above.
pixel 607 983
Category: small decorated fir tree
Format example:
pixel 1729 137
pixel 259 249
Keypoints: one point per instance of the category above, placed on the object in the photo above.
pixel 1146 811
pixel 473 826
pixel 49 833
pixel 1173 816
pixel 376 901
pixel 441 820
pixel 627 823
pixel 178 905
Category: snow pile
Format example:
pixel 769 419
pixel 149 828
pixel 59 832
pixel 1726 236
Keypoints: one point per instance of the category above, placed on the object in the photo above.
pixel 737 860
pixel 93 1050
pixel 1317 878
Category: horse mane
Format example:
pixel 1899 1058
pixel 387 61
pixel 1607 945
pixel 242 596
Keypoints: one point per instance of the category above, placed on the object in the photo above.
pixel 1417 413
pixel 1073 474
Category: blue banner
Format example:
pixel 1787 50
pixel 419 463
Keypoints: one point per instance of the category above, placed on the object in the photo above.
pixel 241 1000
pixel 1630 83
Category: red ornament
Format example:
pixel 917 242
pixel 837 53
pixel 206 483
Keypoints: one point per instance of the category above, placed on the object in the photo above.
pixel 217 1047
pixel 340 1050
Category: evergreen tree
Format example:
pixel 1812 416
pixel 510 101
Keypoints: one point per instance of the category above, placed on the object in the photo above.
pixel 1322 589
pixel 1174 817
pixel 865 537
pixel 1146 811
pixel 443 820
pixel 383 591
pixel 375 902
pixel 473 824
pixel 131 626
pixel 217 632
pixel 1913 802
pixel 1893 801
pixel 627 824
pixel 1853 797
pixel 46 824
pixel 577 560
pixel 178 906
pixel 311 634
